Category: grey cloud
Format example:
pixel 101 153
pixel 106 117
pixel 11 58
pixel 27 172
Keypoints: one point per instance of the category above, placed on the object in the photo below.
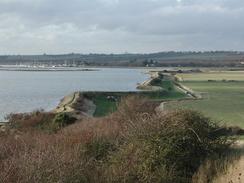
pixel 56 26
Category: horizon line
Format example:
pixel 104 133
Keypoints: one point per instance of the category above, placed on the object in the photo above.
pixel 124 53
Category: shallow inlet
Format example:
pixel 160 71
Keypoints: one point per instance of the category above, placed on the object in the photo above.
pixel 25 91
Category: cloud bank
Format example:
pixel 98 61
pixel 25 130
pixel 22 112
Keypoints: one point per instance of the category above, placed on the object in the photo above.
pixel 117 26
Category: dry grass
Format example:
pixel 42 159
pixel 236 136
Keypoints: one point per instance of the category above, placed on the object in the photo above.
pixel 234 173
pixel 227 168
pixel 30 120
pixel 135 144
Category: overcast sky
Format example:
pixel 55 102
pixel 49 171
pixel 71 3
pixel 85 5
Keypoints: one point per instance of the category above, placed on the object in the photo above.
pixel 117 26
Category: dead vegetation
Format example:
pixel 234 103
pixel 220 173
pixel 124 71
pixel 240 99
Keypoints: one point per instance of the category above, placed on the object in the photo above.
pixel 134 144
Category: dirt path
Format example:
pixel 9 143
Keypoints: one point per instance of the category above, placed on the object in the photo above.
pixel 191 94
pixel 235 172
pixel 77 105
pixel 185 89
pixel 66 103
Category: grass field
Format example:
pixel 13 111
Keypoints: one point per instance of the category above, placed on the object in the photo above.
pixel 214 75
pixel 171 92
pixel 104 106
pixel 222 100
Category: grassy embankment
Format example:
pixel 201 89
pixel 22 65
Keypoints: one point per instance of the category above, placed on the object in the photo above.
pixel 223 95
pixel 106 106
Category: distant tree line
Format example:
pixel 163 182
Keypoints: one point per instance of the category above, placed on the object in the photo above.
pixel 161 59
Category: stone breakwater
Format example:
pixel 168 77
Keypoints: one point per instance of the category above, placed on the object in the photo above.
pixel 77 105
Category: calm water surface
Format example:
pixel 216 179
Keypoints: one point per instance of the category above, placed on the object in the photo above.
pixel 24 91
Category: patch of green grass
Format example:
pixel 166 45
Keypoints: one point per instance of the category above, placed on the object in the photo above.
pixel 223 101
pixel 213 75
pixel 170 93
pixel 162 95
pixel 168 85
pixel 104 106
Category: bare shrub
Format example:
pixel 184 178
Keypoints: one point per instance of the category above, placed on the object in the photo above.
pixel 135 144
pixel 29 120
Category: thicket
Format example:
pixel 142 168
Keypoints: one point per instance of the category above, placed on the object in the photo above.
pixel 39 119
pixel 135 144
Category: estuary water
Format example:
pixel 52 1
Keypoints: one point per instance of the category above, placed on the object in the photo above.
pixel 25 91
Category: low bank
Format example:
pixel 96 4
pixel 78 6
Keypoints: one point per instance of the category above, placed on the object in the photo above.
pixel 160 87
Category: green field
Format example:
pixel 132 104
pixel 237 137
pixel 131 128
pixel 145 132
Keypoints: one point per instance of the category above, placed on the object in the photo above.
pixel 213 75
pixel 171 91
pixel 222 91
pixel 104 106
pixel 223 99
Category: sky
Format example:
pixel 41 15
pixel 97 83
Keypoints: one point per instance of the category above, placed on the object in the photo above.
pixel 119 26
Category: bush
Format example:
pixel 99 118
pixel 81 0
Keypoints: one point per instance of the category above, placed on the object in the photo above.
pixel 63 119
pixel 156 82
pixel 41 120
pixel 33 119
pixel 99 149
pixel 166 148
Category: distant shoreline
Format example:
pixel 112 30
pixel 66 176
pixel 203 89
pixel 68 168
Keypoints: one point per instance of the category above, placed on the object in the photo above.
pixel 47 69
